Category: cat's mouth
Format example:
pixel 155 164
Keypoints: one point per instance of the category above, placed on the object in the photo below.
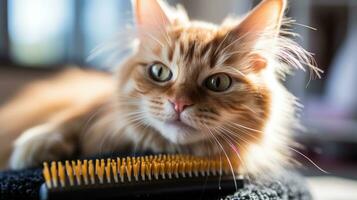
pixel 180 124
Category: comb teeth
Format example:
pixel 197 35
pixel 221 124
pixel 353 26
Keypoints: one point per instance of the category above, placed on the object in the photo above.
pixel 144 168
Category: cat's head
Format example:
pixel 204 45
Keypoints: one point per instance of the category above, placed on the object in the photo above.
pixel 192 76
pixel 192 81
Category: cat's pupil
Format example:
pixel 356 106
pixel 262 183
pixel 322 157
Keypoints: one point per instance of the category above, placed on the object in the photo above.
pixel 218 82
pixel 159 72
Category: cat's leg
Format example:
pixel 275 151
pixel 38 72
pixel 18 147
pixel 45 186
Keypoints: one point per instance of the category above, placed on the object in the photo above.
pixel 56 139
pixel 53 140
pixel 40 143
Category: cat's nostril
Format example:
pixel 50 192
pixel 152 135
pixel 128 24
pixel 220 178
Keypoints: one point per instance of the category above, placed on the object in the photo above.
pixel 180 104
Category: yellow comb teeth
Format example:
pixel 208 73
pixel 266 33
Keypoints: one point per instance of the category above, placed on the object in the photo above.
pixel 85 171
pixel 69 172
pixel 143 168
pixel 47 175
pixel 61 174
pixel 91 171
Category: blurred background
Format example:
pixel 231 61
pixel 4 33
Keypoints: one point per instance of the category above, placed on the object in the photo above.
pixel 39 37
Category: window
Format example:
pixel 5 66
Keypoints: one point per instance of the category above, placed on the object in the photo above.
pixel 44 33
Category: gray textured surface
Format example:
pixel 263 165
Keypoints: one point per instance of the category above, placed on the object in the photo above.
pixel 286 186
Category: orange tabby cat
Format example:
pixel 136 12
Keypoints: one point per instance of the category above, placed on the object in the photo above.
pixel 189 86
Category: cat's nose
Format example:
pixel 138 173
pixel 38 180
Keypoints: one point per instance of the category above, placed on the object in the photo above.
pixel 180 104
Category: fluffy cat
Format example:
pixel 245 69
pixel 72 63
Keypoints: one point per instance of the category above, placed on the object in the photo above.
pixel 190 87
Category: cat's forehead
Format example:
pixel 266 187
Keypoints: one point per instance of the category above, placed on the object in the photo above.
pixel 198 44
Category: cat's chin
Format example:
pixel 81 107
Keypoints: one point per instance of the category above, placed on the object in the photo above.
pixel 179 132
pixel 181 125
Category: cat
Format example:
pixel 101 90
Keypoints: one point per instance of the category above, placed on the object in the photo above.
pixel 189 87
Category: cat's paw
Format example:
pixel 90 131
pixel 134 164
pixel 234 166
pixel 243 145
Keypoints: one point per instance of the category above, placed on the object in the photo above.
pixel 38 144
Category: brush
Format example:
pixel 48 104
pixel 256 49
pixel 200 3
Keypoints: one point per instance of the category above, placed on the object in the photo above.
pixel 156 176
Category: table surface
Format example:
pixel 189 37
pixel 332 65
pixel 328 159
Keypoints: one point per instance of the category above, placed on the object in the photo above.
pixel 332 188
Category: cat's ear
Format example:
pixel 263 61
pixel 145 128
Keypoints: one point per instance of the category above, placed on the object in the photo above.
pixel 150 17
pixel 263 21
pixel 265 17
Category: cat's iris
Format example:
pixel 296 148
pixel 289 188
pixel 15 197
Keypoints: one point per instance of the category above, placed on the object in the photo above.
pixel 159 72
pixel 218 82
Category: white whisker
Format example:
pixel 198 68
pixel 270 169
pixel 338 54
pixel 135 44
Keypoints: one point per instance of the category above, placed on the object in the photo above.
pixel 227 157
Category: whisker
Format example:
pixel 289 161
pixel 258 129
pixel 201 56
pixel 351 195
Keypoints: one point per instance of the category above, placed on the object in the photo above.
pixel 227 157
pixel 220 44
pixel 220 155
pixel 237 136
pixel 235 41
pixel 245 127
pixel 308 159
pixel 296 151
pixel 234 149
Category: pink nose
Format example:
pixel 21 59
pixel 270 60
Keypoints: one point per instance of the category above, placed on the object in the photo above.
pixel 180 104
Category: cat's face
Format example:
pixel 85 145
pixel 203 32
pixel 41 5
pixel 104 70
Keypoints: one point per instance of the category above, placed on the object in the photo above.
pixel 190 81
pixel 196 86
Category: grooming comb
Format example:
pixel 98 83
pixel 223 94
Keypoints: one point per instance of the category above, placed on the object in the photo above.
pixel 155 176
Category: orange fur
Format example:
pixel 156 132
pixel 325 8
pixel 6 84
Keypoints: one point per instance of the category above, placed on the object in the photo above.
pixel 58 99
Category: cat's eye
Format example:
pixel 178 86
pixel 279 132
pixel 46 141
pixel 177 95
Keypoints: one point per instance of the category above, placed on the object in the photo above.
pixel 218 82
pixel 159 72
